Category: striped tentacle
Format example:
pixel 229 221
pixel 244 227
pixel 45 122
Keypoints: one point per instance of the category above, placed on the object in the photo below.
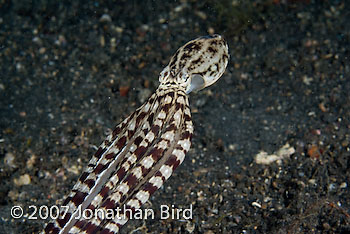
pixel 166 124
pixel 108 156
pixel 143 151
pixel 170 159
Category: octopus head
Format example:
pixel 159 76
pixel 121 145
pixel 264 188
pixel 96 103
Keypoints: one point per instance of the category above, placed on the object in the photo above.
pixel 197 64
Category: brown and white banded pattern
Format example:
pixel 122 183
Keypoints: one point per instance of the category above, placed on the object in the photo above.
pixel 143 150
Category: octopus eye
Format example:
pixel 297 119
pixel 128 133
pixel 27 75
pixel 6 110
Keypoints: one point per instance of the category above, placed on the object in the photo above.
pixel 197 83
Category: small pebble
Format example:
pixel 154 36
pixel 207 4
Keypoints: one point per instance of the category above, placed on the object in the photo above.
pixel 31 161
pixel 161 20
pixel 307 80
pixel 211 31
pixel 314 152
pixel 209 232
pixel 331 187
pixel 13 195
pixel 102 41
pixel 201 15
pixel 22 180
pixel 22 114
pixel 9 160
pixel 284 152
pixel 256 204
pixel 326 226
pixel 123 90
pixel 119 29
pixel 105 18
pixel 312 181
pixel 42 50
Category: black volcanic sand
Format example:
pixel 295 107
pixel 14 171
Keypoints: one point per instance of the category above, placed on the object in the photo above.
pixel 71 71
